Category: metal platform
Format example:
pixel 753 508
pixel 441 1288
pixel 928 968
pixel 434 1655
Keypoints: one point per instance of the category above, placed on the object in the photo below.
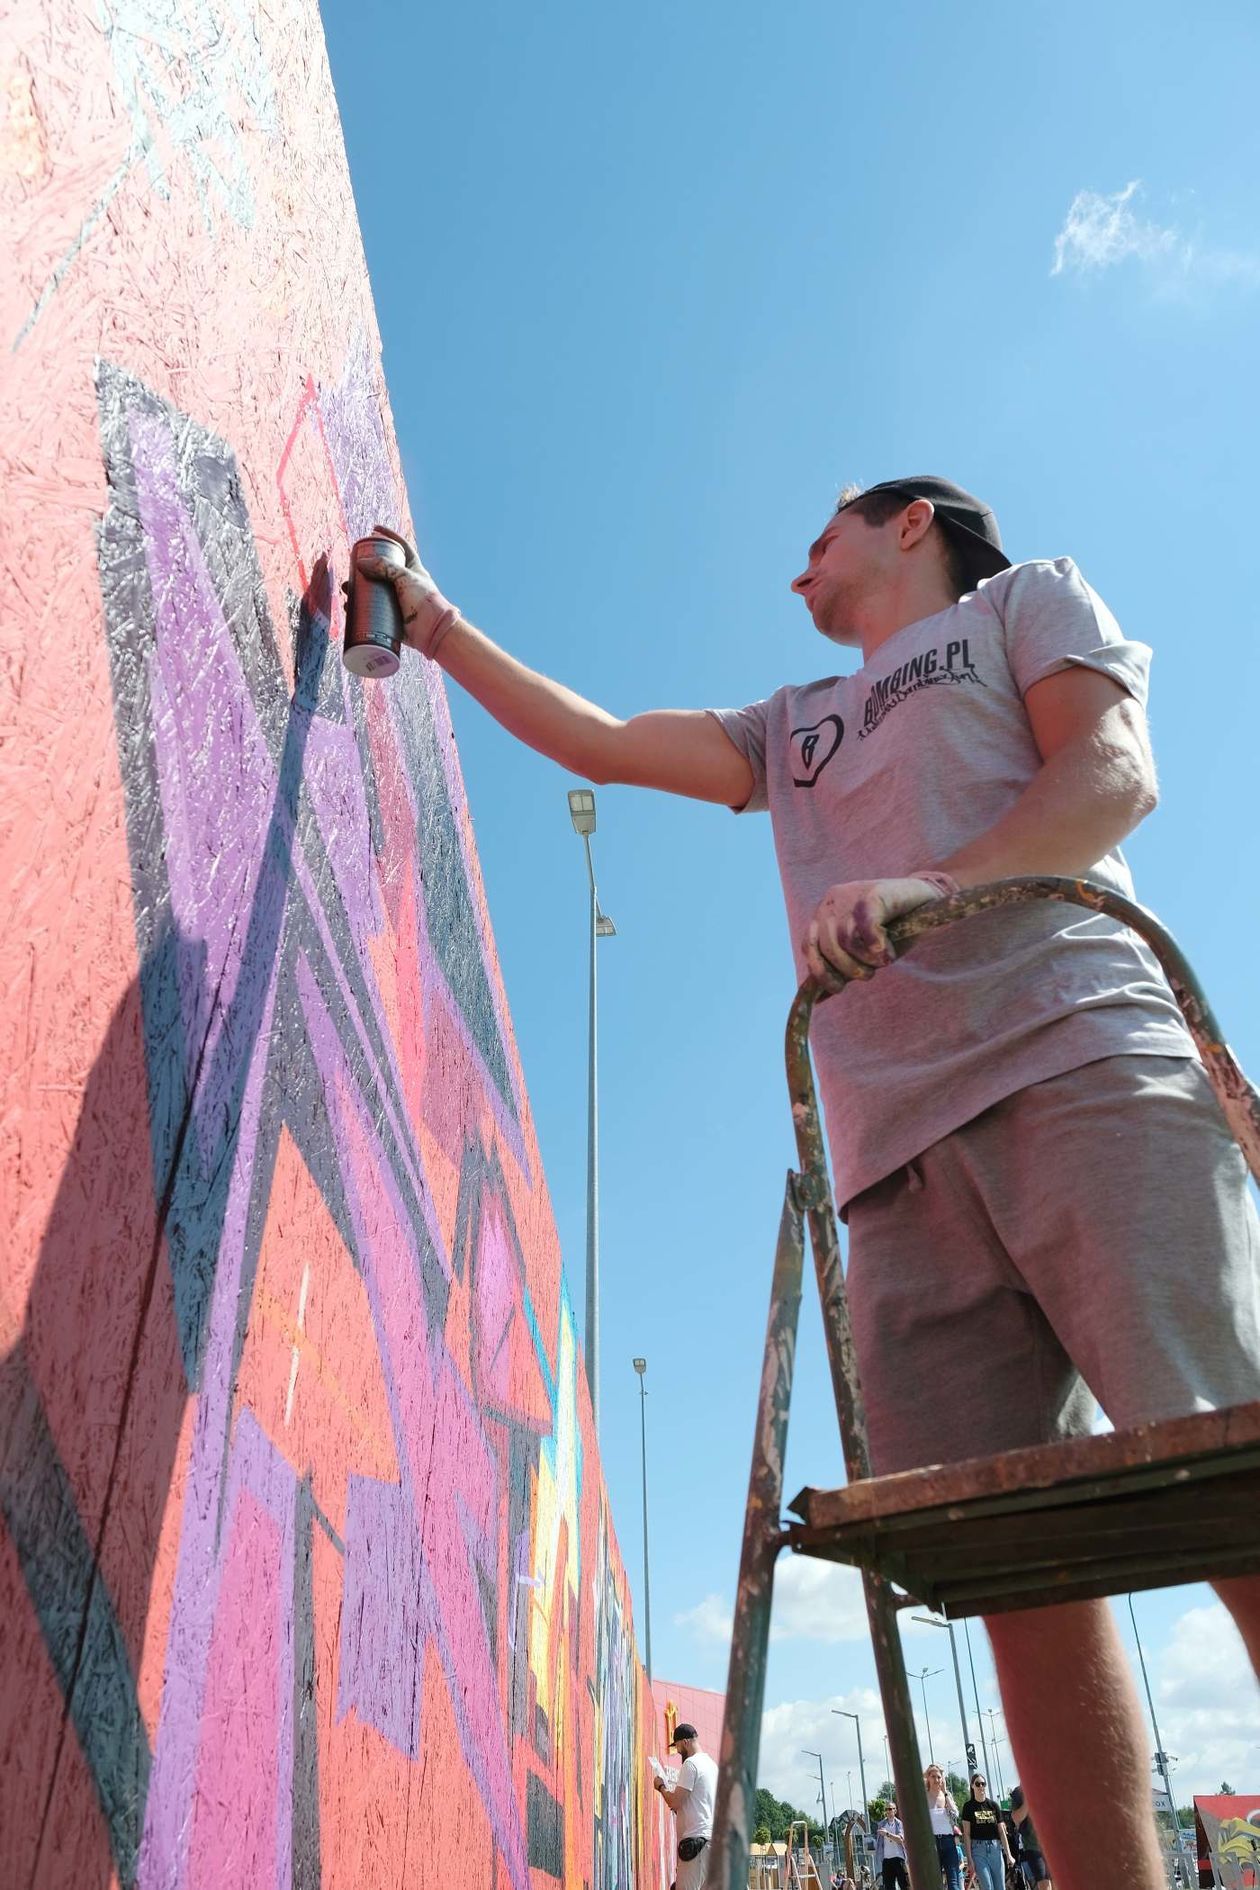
pixel 1146 1508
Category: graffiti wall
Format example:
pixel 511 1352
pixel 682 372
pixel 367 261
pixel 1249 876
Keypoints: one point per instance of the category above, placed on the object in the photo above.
pixel 307 1576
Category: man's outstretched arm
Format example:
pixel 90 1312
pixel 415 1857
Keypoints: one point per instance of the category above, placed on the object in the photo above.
pixel 682 751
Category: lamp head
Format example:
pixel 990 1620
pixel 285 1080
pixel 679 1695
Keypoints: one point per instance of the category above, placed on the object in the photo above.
pixel 582 810
pixel 640 1365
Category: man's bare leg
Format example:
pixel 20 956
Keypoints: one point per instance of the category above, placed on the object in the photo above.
pixel 1079 1740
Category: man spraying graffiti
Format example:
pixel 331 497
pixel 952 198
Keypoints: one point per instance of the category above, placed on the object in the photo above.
pixel 1015 1110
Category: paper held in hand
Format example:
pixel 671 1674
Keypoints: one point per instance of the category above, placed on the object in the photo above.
pixel 666 1773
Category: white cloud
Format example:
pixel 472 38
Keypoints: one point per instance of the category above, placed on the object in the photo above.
pixel 813 1601
pixel 1208 1704
pixel 790 1731
pixel 1100 231
pixel 710 1620
pixel 817 1601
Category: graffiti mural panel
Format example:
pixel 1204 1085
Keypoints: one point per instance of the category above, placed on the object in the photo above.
pixel 306 1565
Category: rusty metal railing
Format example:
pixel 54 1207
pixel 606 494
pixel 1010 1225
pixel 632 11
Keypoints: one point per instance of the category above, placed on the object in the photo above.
pixel 808 1193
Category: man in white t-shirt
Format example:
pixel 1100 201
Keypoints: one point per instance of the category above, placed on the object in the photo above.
pixel 1044 1202
pixel 691 1800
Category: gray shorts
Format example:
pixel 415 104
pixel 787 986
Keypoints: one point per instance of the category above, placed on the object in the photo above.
pixel 1089 1237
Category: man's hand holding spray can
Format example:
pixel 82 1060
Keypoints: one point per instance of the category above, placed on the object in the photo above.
pixel 390 600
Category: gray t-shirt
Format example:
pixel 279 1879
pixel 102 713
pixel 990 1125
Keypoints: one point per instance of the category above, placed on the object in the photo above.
pixel 892 769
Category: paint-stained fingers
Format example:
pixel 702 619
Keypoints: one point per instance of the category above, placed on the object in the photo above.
pixel 828 961
pixel 863 935
pixel 849 927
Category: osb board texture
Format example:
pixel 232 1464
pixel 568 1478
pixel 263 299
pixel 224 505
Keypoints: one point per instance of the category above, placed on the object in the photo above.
pixel 307 1575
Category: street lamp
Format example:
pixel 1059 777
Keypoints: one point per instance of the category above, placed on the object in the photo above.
pixel 1161 1757
pixel 923 1678
pixel 640 1366
pixel 841 1713
pixel 931 1621
pixel 822 1789
pixel 582 814
pixel 975 1692
pixel 997 1740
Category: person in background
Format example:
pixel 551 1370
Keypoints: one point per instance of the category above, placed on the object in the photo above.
pixel 984 1837
pixel 1032 1861
pixel 890 1849
pixel 691 1800
pixel 944 1815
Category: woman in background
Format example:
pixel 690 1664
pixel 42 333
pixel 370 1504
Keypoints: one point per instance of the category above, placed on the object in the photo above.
pixel 944 1815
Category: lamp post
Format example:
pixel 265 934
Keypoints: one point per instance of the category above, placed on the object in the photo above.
pixel 640 1366
pixel 970 1751
pixel 582 814
pixel 840 1713
pixel 923 1678
pixel 822 1789
pixel 1161 1757
pixel 975 1692
pixel 997 1740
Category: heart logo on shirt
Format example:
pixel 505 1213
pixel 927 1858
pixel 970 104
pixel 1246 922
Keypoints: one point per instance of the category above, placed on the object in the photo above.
pixel 818 743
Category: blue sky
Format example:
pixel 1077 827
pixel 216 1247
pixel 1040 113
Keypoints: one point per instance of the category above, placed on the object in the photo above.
pixel 652 284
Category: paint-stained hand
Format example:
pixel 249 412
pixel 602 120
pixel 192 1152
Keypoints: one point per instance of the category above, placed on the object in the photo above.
pixel 846 935
pixel 427 615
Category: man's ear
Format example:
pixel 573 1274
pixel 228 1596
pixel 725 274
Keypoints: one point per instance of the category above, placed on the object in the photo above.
pixel 916 523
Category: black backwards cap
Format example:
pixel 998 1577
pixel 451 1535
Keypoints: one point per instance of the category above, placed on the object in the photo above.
pixel 969 518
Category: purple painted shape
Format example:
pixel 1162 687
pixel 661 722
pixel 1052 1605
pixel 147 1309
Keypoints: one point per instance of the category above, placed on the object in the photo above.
pixel 332 785
pixel 214 770
pixel 385 1616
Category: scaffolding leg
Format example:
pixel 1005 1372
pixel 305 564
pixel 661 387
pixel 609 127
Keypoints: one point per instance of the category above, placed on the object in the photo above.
pixel 763 1533
pixel 881 1611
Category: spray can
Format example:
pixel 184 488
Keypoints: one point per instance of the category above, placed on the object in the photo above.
pixel 373 614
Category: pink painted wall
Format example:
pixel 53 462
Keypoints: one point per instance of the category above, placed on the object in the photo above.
pixel 677 1705
pixel 307 1574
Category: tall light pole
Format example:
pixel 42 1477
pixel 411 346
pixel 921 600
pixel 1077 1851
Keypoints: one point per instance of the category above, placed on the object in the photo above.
pixel 923 1678
pixel 822 1789
pixel 970 1751
pixel 1161 1757
pixel 582 814
pixel 840 1713
pixel 975 1692
pixel 640 1366
pixel 996 1737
